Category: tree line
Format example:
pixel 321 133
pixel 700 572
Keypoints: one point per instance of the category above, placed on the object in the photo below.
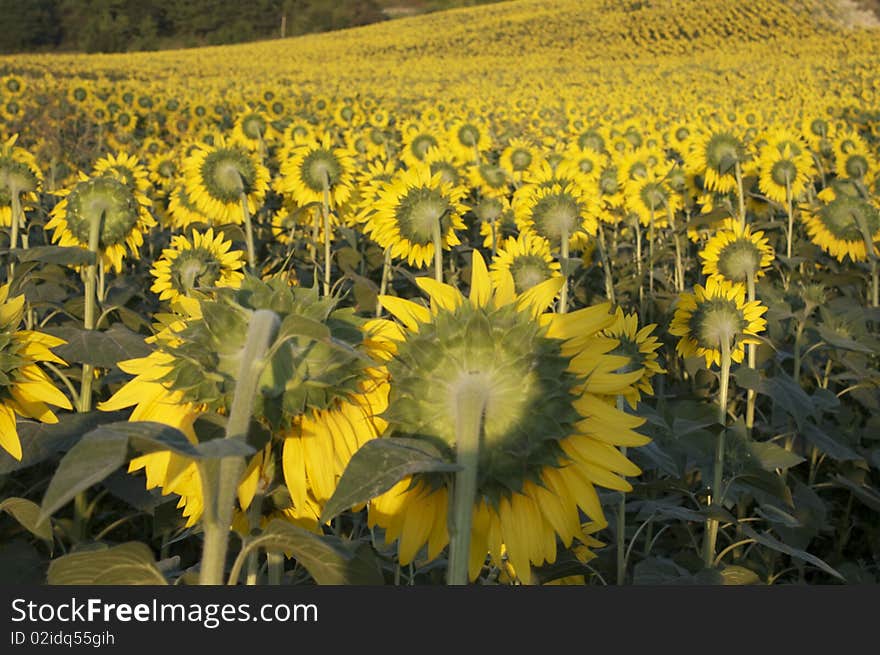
pixel 127 25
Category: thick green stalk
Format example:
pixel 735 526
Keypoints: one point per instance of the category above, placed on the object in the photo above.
pixel 789 235
pixel 621 523
pixel 715 497
pixel 470 403
pixel 606 266
pixel 740 195
pixel 679 269
pixel 753 362
pixel 220 477
pixel 88 371
pixel 386 278
pixel 563 257
pixel 248 233
pixel 651 265
pixel 325 209
pixel 16 225
pixel 438 250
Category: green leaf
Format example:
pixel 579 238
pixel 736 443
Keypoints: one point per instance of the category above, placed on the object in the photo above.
pixel 863 492
pixel 27 514
pixel 770 457
pixel 54 255
pixel 103 450
pixel 87 463
pixel 39 441
pixel 377 466
pixel 775 544
pixel 747 378
pixel 826 443
pixel 788 395
pixel 130 563
pixel 842 342
pixel 329 560
pixel 103 349
pixel 739 575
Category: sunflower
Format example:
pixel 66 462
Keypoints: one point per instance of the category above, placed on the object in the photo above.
pixel 418 139
pixel 20 178
pixel 182 211
pixel 202 262
pixel 527 259
pixel 843 222
pixel 560 210
pixel 489 180
pixel 314 166
pixel 715 312
pixel 410 207
pixel 518 158
pixel 25 390
pixel 735 253
pixel 13 85
pixel 650 197
pixel 447 163
pixel 127 168
pixel 785 167
pixel 217 177
pixel 252 129
pixel 318 393
pixel 121 213
pixel 715 156
pixel 468 139
pixel 640 347
pixel 853 158
pixel 547 436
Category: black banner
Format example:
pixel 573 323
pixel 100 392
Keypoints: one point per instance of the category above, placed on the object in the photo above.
pixel 396 619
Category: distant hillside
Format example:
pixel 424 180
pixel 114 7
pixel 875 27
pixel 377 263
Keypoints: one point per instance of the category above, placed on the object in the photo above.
pixel 132 25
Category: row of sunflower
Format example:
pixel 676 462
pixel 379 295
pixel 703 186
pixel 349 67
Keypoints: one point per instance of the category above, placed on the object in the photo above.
pixel 476 288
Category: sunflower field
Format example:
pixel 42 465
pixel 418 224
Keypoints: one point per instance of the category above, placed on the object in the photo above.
pixel 581 292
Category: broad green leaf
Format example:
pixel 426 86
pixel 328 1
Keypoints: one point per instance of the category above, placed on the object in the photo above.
pixel 747 378
pixel 54 255
pixel 788 395
pixel 105 449
pixel 329 560
pixel 130 563
pixel 775 544
pixel 39 441
pixel 868 495
pixel 826 443
pixel 770 457
pixel 377 466
pixel 27 514
pixel 22 563
pixel 739 575
pixel 104 349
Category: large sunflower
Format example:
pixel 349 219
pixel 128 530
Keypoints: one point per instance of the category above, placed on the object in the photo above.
pixel 640 347
pixel 25 390
pixel 314 166
pixel 528 259
pixel 408 210
pixel 713 313
pixel 320 392
pixel 20 178
pixel 715 156
pixel 735 253
pixel 842 222
pixel 203 262
pixel 216 177
pixel 122 215
pixel 785 167
pixel 547 435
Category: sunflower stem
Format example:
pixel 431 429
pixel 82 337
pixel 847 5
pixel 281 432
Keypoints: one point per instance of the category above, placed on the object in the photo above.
pixel 220 477
pixel 638 230
pixel 679 269
pixel 85 395
pixel 248 232
pixel 470 404
pixel 740 196
pixel 651 264
pixel 563 260
pixel 621 522
pixel 438 250
pixel 790 211
pixel 715 497
pixel 275 568
pixel 875 284
pixel 753 360
pixel 16 225
pixel 386 278
pixel 325 211
pixel 606 266
pixel 494 237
